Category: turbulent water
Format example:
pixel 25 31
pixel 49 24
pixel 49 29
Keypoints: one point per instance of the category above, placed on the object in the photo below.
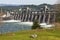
pixel 13 27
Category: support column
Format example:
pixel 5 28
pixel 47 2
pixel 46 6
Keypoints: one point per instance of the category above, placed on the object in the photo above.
pixel 22 17
pixel 36 17
pixel 39 18
pixel 25 17
pixel 32 17
pixel 29 17
pixel 48 18
pixel 54 17
pixel 17 16
pixel 44 18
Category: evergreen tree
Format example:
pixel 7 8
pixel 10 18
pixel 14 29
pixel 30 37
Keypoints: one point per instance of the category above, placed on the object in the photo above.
pixel 35 25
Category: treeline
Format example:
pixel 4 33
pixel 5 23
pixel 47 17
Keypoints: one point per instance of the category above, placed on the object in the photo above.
pixel 57 8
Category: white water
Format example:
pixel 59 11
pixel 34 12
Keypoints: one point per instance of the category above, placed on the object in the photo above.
pixel 27 23
pixel 11 21
pixel 18 22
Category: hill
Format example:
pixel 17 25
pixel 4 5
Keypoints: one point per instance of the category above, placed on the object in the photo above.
pixel 6 7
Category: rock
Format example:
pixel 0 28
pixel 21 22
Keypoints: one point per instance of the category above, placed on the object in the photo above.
pixel 34 36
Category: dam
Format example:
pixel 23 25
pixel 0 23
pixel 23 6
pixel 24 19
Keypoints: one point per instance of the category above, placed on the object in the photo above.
pixel 44 15
pixel 25 18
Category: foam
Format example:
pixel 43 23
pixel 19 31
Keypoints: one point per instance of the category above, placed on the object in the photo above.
pixel 11 21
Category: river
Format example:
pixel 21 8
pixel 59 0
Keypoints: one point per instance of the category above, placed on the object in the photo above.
pixel 13 27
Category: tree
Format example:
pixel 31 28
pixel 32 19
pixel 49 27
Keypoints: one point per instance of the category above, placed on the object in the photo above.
pixel 57 8
pixel 36 25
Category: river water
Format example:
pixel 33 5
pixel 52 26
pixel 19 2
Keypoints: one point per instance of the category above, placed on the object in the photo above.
pixel 13 27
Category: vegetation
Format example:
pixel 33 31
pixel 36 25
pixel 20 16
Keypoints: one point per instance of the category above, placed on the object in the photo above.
pixel 25 35
pixel 42 34
pixel 57 8
pixel 14 7
pixel 35 25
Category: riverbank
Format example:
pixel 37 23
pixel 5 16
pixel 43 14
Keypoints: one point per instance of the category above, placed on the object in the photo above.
pixel 42 34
